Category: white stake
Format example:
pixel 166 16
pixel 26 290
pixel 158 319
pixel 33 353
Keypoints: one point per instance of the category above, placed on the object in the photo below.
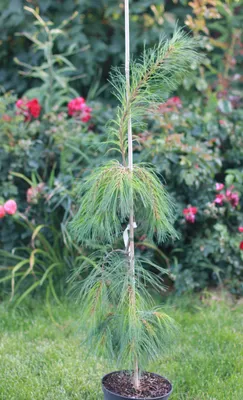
pixel 131 254
pixel 127 70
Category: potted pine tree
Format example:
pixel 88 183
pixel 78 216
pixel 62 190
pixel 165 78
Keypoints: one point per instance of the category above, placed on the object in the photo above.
pixel 117 200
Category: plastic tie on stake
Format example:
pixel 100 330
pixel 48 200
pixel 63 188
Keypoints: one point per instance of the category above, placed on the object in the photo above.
pixel 126 235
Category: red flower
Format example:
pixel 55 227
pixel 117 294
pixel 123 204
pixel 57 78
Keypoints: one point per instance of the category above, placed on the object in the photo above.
pixel 86 117
pixel 240 229
pixel 2 212
pixel 29 109
pixel 219 186
pixel 76 105
pixel 190 214
pixel 190 209
pixel 10 207
pixel 79 109
pixel 34 108
pixel 220 198
pixel 241 245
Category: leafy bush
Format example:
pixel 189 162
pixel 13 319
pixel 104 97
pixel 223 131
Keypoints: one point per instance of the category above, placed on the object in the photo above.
pixel 40 162
pixel 97 29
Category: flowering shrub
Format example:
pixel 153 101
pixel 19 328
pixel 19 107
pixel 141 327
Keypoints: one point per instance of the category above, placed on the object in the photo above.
pixel 198 157
pixel 40 161
pixel 201 160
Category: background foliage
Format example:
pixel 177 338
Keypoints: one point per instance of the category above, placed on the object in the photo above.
pixel 194 141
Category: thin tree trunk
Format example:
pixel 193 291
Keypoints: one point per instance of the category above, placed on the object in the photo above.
pixel 130 166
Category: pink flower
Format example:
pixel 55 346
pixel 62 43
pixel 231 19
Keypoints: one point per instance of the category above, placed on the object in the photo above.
pixel 2 212
pixel 190 214
pixel 235 199
pixel 220 198
pixel 10 207
pixel 219 186
pixel 20 103
pixel 78 108
pixel 240 229
pixel 241 245
pixel 232 197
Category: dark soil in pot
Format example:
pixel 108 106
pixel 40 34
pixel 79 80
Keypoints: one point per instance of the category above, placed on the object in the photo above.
pixel 118 385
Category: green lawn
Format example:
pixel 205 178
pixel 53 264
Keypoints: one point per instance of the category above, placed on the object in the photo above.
pixel 41 360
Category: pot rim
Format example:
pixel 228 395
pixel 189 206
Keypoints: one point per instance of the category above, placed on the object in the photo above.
pixel 137 398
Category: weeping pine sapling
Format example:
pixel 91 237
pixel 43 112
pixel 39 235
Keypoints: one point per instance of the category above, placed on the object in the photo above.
pixel 119 198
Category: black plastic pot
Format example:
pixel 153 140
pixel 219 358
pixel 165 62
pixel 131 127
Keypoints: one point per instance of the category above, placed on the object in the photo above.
pixel 108 395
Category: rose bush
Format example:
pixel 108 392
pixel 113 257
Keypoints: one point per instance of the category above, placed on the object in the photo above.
pixel 201 160
pixel 192 150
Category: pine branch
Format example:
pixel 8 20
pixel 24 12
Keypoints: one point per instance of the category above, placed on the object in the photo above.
pixel 105 203
pixel 158 72
pixel 116 326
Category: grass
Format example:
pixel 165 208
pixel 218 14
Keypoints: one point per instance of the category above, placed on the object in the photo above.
pixel 42 359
